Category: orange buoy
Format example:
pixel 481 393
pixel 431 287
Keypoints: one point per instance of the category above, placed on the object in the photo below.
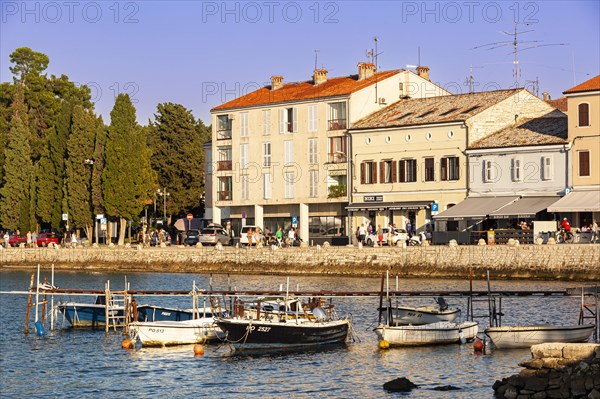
pixel 478 345
pixel 127 344
pixel 198 350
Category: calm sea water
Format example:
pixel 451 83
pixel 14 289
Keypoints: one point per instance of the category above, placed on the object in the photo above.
pixel 89 364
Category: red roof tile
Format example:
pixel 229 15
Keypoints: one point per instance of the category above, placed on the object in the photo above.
pixel 298 91
pixel 560 103
pixel 589 85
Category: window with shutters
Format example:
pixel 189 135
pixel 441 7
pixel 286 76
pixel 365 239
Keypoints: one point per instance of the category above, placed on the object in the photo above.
pixel 266 154
pixel 288 120
pixel 312 152
pixel 312 118
pixel 337 150
pixel 386 169
pixel 289 184
pixel 488 171
pixel 337 116
pixel 407 170
pixel 368 172
pixel 584 163
pixel 224 192
pixel 313 177
pixel 223 127
pixel 266 122
pixel 517 169
pixel 243 156
pixel 429 169
pixel 243 124
pixel 267 182
pixel 245 189
pixel 584 114
pixel 547 168
pixel 288 155
pixel 449 168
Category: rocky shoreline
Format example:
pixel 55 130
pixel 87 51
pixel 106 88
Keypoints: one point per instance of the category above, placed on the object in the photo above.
pixel 564 262
pixel 556 370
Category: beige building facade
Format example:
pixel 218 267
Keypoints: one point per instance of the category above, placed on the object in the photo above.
pixel 409 159
pixel 582 204
pixel 280 154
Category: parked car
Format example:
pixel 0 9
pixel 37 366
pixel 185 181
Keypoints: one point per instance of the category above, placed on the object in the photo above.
pixel 192 237
pixel 213 235
pixel 16 240
pixel 335 231
pixel 255 237
pixel 398 234
pixel 44 239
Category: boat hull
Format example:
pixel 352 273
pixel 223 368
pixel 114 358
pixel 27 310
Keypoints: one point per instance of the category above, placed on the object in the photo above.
pixel 525 336
pixel 151 313
pixel 265 334
pixel 81 315
pixel 168 333
pixel 419 316
pixel 427 334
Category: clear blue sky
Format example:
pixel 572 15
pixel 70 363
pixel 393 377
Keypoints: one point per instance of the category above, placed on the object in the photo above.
pixel 202 53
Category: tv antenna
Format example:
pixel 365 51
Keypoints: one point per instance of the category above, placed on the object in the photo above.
pixel 517 47
pixel 470 81
pixel 316 58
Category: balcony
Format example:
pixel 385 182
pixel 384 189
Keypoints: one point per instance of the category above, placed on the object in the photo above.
pixel 224 165
pixel 224 195
pixel 337 157
pixel 337 191
pixel 336 124
pixel 224 134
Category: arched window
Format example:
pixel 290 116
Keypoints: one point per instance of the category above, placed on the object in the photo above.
pixel 584 114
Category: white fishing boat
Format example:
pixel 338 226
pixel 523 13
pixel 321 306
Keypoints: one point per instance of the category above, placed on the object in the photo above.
pixel 167 333
pixel 525 336
pixel 427 334
pixel 403 315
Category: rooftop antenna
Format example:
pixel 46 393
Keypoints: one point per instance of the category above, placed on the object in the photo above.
pixel 517 47
pixel 470 81
pixel 535 86
pixel 373 55
pixel 316 58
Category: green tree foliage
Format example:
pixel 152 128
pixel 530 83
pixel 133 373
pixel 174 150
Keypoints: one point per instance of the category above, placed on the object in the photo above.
pixel 176 145
pixel 128 180
pixel 15 190
pixel 79 164
pixel 99 144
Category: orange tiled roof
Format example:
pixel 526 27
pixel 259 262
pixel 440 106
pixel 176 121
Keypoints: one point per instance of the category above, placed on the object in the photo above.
pixel 441 109
pixel 549 129
pixel 297 91
pixel 589 85
pixel 560 103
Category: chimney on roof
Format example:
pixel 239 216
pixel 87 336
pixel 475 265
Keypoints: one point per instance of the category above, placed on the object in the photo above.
pixel 365 70
pixel 546 96
pixel 319 76
pixel 423 71
pixel 276 82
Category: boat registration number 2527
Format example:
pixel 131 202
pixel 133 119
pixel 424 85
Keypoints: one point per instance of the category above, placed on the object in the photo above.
pixel 262 329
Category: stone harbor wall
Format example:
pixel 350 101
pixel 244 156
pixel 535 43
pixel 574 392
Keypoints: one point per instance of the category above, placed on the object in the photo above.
pixel 567 262
pixel 556 370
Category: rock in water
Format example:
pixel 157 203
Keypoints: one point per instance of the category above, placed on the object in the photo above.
pixel 446 388
pixel 399 385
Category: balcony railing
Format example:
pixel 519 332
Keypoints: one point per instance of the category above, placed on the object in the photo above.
pixel 337 157
pixel 224 134
pixel 224 165
pixel 224 195
pixel 336 124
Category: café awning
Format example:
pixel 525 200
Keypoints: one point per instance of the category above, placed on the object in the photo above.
pixel 392 206
pixel 525 207
pixel 578 201
pixel 475 208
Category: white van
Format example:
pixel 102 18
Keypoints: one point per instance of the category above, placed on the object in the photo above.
pixel 255 237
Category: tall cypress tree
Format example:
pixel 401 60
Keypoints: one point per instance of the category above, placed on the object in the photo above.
pixel 128 179
pixel 177 156
pixel 15 190
pixel 79 164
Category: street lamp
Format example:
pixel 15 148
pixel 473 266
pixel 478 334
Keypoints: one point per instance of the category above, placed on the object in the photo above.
pixel 164 194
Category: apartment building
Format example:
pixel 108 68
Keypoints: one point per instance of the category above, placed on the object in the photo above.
pixel 280 153
pixel 409 158
pixel 582 204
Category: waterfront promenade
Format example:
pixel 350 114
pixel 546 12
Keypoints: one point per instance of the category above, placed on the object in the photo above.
pixel 565 262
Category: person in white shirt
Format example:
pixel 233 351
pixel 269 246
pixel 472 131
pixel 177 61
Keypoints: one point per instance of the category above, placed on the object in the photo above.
pixel 292 236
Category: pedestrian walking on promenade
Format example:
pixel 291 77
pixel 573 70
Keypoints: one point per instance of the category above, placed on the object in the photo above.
pixel 594 232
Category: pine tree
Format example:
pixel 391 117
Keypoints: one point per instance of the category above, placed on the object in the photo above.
pixel 128 179
pixel 177 156
pixel 15 190
pixel 78 178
